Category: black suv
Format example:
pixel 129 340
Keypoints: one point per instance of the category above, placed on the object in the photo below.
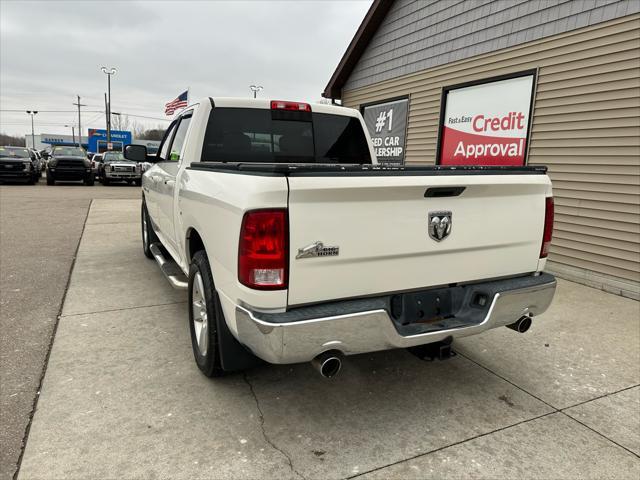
pixel 67 164
pixel 17 164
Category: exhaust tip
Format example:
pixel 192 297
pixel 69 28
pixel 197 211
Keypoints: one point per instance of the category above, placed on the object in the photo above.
pixel 328 364
pixel 522 325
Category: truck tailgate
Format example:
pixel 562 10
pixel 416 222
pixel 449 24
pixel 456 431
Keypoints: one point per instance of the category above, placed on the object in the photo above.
pixel 380 226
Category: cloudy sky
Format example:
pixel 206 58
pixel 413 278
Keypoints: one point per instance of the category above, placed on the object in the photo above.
pixel 52 51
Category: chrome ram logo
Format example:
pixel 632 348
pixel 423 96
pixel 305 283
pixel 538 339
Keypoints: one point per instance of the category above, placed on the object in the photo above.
pixel 440 224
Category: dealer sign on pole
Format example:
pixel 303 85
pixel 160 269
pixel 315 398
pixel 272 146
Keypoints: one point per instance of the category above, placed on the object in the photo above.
pixel 487 123
pixel 387 125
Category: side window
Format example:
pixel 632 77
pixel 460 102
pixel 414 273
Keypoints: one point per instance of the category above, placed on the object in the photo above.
pixel 178 139
pixel 163 151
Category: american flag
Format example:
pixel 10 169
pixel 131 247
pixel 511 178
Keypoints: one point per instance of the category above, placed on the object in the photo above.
pixel 179 102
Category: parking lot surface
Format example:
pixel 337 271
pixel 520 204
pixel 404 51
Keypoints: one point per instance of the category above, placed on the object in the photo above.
pixel 40 228
pixel 122 396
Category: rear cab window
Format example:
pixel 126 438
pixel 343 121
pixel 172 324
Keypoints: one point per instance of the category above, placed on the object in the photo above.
pixel 276 136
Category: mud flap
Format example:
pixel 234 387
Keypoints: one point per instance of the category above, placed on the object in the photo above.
pixel 233 356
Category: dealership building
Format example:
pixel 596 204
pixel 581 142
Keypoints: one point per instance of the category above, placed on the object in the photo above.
pixel 538 82
pixel 95 142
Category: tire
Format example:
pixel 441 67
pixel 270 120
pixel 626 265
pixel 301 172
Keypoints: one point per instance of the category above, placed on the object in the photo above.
pixel 104 181
pixel 138 182
pixel 148 235
pixel 89 182
pixel 50 180
pixel 32 180
pixel 204 310
pixel 36 177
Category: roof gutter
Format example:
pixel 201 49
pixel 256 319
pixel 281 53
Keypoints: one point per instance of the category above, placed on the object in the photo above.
pixel 359 42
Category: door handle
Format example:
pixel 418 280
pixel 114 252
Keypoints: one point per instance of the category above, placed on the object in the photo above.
pixel 171 183
pixel 443 192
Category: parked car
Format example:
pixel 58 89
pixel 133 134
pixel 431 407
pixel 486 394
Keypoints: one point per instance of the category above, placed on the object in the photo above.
pixel 37 160
pixel 96 164
pixel 18 164
pixel 116 168
pixel 69 164
pixel 295 245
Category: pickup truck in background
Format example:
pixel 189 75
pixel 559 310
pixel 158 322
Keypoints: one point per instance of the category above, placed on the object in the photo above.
pixel 113 167
pixel 19 164
pixel 295 246
pixel 69 164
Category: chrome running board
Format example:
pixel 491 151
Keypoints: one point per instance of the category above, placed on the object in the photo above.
pixel 169 268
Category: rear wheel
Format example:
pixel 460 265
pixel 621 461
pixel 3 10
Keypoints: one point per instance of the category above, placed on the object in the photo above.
pixel 138 182
pixel 148 235
pixel 104 181
pixel 204 310
pixel 50 180
pixel 89 181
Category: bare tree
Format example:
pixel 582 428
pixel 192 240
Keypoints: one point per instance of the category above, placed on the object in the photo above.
pixel 120 121
pixel 151 134
pixel 137 129
pixel 6 139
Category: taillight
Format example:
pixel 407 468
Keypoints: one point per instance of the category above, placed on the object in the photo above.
pixel 548 227
pixel 295 106
pixel 263 253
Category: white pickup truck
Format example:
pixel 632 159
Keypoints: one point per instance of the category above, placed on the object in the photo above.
pixel 295 245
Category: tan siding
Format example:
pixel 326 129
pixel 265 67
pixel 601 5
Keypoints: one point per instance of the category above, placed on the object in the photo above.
pixel 586 129
pixel 597 225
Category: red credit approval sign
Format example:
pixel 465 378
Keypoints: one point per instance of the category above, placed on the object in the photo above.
pixel 487 124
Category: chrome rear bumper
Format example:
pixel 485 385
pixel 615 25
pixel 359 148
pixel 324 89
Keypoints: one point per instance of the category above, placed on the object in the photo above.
pixel 374 330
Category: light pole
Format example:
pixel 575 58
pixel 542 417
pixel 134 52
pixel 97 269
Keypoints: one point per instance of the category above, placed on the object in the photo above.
pixel 255 89
pixel 108 72
pixel 33 135
pixel 73 132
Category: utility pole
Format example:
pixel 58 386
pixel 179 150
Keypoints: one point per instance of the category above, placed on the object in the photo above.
pixel 79 123
pixel 33 135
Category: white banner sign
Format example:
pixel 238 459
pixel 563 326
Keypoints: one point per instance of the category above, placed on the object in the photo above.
pixel 487 124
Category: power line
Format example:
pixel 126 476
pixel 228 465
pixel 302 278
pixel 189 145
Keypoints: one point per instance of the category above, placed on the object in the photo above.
pixel 92 111
pixel 54 111
pixel 139 116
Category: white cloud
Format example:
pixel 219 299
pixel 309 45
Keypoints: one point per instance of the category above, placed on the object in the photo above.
pixel 51 51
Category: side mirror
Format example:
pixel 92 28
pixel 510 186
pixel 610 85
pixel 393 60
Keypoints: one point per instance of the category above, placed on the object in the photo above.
pixel 136 153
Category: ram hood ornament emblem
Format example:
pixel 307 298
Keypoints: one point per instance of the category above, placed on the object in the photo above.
pixel 440 224
pixel 317 249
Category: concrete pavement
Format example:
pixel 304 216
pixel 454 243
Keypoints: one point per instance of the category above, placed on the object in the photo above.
pixel 123 398
pixel 40 228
